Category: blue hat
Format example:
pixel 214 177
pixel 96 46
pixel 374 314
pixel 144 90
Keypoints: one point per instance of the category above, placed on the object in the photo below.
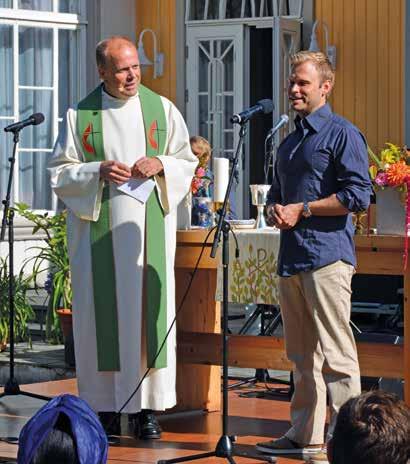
pixel 89 435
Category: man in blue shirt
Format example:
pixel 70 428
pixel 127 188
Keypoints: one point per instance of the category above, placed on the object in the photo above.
pixel 321 176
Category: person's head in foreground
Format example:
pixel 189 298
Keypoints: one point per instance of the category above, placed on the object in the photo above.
pixel 372 428
pixel 64 431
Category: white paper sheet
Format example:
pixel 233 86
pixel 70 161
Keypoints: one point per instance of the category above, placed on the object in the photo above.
pixel 140 189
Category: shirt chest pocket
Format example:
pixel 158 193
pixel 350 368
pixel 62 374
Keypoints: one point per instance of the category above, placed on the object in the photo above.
pixel 322 161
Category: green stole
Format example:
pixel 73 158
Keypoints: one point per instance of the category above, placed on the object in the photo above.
pixel 89 130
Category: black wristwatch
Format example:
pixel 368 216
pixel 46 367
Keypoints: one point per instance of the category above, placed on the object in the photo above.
pixel 306 213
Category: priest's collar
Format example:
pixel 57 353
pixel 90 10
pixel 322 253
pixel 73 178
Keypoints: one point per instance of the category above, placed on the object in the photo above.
pixel 116 99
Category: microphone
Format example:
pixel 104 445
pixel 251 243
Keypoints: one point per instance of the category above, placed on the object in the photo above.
pixel 283 120
pixel 263 106
pixel 33 120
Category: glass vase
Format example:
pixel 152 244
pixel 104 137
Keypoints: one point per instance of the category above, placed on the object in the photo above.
pixel 202 212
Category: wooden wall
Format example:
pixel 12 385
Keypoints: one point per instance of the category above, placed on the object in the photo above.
pixel 369 36
pixel 160 17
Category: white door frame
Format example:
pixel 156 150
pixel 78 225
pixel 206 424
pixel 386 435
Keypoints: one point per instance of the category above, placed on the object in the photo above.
pixel 217 120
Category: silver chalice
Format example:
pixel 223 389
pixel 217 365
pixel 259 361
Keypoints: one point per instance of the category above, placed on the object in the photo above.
pixel 259 194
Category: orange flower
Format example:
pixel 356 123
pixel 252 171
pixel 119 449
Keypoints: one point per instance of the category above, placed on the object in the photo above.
pixel 397 174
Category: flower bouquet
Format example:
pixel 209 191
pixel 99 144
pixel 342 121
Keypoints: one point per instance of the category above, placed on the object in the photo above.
pixel 391 168
pixel 201 182
pixel 390 173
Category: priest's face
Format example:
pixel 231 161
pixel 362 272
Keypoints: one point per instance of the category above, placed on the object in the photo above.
pixel 121 71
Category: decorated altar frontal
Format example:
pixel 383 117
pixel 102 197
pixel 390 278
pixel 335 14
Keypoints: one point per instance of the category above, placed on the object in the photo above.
pixel 252 275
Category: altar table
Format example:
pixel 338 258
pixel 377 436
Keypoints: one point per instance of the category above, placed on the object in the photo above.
pixel 200 342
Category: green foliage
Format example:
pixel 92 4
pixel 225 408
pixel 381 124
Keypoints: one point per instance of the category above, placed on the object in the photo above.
pixel 52 258
pixel 254 278
pixel 23 312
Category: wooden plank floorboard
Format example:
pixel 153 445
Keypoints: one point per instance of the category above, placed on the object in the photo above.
pixel 250 419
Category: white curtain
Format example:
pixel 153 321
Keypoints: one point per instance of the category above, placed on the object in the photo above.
pixel 6 102
pixel 35 69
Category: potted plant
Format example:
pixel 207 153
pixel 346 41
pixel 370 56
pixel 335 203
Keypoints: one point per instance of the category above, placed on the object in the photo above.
pixel 23 312
pixel 53 259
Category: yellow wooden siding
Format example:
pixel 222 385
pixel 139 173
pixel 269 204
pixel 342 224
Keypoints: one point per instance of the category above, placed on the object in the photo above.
pixel 160 17
pixel 369 91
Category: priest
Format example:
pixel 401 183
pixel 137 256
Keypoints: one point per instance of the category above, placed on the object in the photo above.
pixel 122 248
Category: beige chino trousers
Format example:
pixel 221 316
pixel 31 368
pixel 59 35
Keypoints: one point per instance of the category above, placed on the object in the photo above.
pixel 316 308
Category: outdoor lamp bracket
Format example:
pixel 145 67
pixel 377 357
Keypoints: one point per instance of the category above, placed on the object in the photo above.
pixel 330 50
pixel 158 59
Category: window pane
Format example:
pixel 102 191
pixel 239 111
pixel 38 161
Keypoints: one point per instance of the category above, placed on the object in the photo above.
pixel 213 9
pixel 34 180
pixel 67 70
pixel 41 5
pixel 228 141
pixel 228 63
pixel 36 56
pixel 6 3
pixel 37 101
pixel 68 6
pixel 228 111
pixel 6 142
pixel 6 70
pixel 203 116
pixel 233 8
pixel 197 9
pixel 203 71
pixel 248 11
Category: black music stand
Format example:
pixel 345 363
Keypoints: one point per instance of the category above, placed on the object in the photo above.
pixel 225 447
pixel 12 387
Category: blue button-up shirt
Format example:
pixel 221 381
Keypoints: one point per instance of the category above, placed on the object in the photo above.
pixel 326 154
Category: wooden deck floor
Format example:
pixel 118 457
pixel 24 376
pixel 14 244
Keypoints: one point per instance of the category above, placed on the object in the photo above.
pixel 250 419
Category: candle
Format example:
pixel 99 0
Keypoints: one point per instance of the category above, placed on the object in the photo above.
pixel 221 178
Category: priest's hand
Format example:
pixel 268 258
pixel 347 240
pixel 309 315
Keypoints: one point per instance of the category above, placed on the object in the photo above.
pixel 147 167
pixel 114 171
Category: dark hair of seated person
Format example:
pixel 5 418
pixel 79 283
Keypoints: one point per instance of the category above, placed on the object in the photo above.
pixel 372 428
pixel 59 446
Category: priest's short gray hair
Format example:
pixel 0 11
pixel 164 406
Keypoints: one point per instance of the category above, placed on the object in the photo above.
pixel 101 49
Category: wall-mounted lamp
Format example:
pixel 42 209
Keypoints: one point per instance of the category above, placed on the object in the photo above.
pixel 330 50
pixel 158 59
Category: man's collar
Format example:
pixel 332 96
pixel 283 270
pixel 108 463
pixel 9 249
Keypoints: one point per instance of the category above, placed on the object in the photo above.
pixel 315 120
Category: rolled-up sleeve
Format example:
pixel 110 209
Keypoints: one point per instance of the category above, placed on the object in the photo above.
pixel 352 169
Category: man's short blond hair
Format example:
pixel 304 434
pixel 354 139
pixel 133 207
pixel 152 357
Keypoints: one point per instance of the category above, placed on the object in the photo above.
pixel 319 60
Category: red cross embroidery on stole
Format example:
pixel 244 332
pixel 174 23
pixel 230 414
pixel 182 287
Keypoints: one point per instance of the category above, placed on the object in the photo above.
pixel 151 139
pixel 87 146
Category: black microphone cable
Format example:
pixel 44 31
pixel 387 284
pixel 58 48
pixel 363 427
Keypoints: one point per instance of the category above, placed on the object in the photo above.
pixel 118 414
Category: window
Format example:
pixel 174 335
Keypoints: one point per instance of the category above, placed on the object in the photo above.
pixel 40 63
pixel 211 10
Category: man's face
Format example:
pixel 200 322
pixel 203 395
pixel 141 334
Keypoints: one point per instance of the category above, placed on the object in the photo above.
pixel 306 91
pixel 121 73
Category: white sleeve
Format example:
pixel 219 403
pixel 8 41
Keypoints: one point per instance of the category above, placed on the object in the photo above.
pixel 76 182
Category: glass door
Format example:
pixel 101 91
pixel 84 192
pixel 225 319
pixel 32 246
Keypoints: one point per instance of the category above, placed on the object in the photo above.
pixel 215 90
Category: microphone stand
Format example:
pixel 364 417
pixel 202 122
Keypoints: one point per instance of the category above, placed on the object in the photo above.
pixel 225 446
pixel 12 387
